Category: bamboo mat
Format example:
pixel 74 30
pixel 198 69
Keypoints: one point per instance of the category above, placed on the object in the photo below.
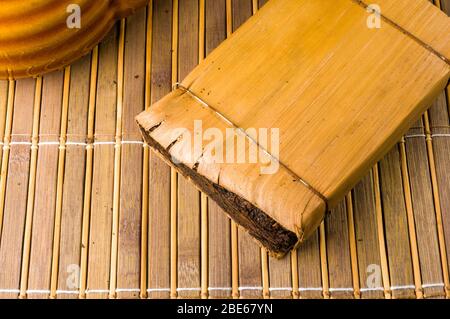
pixel 88 211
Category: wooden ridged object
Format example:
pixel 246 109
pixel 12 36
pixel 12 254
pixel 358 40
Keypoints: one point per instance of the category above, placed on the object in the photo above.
pixel 341 94
pixel 35 37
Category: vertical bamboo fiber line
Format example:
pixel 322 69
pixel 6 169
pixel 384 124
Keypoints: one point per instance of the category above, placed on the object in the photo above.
pixel 438 4
pixel 203 197
pixel 265 273
pixel 352 243
pixel 201 30
pixel 447 94
pixel 234 260
pixel 146 155
pixel 324 261
pixel 117 163
pixel 3 107
pixel 6 149
pixel 254 6
pixel 31 191
pixel 229 17
pixel 233 226
pixel 173 172
pixel 411 223
pixel 173 233
pixel 59 185
pixel 88 174
pixel 381 236
pixel 437 205
pixel 294 267
pixel 204 245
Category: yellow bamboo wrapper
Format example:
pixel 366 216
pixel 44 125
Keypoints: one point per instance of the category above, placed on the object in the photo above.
pixel 340 89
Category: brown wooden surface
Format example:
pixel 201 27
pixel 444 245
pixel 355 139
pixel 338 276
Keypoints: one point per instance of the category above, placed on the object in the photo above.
pixel 344 276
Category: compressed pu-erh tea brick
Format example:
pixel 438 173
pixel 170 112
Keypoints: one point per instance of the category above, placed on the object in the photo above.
pixel 284 118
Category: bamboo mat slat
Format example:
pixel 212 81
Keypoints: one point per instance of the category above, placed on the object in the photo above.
pixel 16 162
pixel 219 236
pixel 262 2
pixel 424 214
pixel 43 213
pixel 90 138
pixel 3 103
pixel 117 162
pixel 381 233
pixel 324 261
pixel 440 130
pixel 280 277
pixel 188 246
pixel 369 260
pixel 309 269
pixel 128 259
pixel 159 172
pixel 101 210
pixel 250 272
pixel 219 253
pixel 56 243
pixel 72 202
pixel 173 172
pixel 4 86
pixel 396 226
pixel 338 253
pixel 436 200
pixel 87 210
